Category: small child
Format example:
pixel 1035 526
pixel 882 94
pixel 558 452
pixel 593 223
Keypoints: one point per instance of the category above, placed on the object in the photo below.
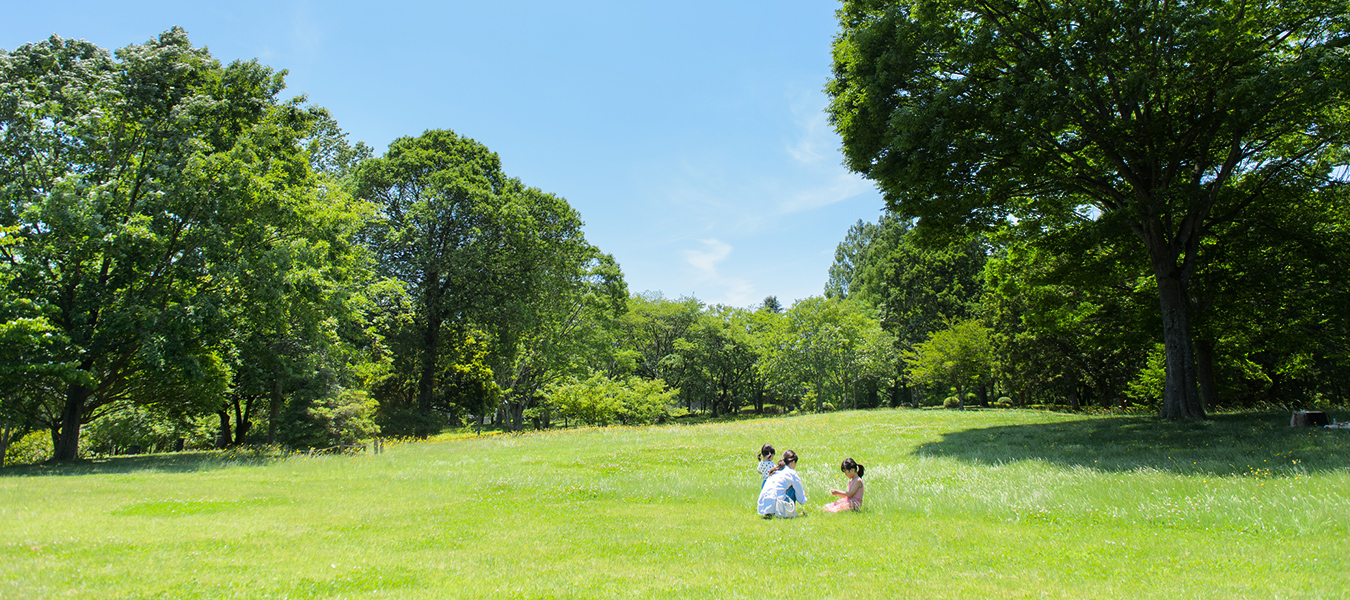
pixel 766 464
pixel 850 499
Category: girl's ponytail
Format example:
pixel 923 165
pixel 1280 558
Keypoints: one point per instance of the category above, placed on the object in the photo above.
pixel 850 464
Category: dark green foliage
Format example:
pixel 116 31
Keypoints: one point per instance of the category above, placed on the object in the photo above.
pixel 850 258
pixel 1274 306
pixel 918 283
pixel 1164 121
pixel 342 417
pixel 402 421
pixel 1069 322
pixel 138 430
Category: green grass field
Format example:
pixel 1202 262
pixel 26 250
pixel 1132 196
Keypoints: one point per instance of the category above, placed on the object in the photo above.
pixel 975 504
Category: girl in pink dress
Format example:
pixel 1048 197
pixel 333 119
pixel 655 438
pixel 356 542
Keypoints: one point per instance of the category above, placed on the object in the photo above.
pixel 852 498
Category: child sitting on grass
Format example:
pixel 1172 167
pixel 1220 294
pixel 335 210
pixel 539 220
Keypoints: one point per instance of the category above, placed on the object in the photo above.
pixel 850 499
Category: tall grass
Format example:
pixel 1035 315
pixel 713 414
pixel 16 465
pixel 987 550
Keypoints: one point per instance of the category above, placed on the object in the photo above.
pixel 959 505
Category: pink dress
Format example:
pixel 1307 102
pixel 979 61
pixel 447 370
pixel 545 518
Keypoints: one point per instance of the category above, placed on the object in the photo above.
pixel 852 502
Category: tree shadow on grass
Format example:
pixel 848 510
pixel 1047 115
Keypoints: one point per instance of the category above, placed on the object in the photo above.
pixel 1256 444
pixel 174 462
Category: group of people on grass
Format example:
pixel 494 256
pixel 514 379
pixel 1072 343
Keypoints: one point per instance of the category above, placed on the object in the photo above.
pixel 781 488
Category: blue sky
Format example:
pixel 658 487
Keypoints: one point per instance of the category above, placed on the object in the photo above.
pixel 689 135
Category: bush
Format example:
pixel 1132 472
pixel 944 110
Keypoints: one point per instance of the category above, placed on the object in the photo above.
pixel 951 402
pixel 33 448
pixel 644 401
pixel 137 429
pixel 343 417
pixel 810 403
pixel 1147 387
pixel 601 401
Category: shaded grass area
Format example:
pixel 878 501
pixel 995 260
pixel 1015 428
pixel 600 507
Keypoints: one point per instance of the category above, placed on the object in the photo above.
pixel 178 462
pixel 1226 444
pixel 959 505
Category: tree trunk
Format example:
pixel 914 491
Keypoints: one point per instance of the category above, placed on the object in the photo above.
pixel 224 436
pixel 241 420
pixel 426 385
pixel 274 405
pixel 68 445
pixel 7 430
pixel 517 416
pixel 1181 399
pixel 1174 259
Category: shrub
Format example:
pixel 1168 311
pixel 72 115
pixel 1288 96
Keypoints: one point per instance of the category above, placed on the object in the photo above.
pixel 599 400
pixel 134 428
pixel 1147 386
pixel 33 448
pixel 345 416
pixel 644 401
pixel 951 402
pixel 810 403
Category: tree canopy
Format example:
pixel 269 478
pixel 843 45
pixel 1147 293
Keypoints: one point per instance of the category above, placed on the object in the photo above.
pixel 1164 120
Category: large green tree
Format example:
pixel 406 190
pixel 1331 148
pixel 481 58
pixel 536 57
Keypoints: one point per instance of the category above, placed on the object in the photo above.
pixel 566 322
pixel 440 199
pixel 1163 118
pixel 134 183
pixel 475 250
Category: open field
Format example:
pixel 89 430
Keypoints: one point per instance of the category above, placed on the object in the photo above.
pixel 975 504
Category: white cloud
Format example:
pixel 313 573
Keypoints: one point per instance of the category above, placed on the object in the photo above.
pixel 837 187
pixel 816 150
pixel 725 290
pixel 815 143
pixel 705 261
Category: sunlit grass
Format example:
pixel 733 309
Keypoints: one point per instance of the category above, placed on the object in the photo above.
pixel 959 505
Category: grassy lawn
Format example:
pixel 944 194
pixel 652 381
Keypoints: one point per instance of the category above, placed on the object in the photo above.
pixel 975 504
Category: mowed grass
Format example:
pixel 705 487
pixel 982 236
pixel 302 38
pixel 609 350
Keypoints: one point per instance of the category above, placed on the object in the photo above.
pixel 974 504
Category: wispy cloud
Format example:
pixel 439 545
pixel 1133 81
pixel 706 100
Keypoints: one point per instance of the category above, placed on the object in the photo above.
pixel 815 143
pixel 705 260
pixel 724 290
pixel 816 151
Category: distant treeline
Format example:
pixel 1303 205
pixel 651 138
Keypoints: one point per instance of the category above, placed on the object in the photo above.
pixel 189 260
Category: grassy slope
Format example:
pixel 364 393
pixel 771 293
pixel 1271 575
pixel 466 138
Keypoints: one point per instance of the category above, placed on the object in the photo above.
pixel 1005 504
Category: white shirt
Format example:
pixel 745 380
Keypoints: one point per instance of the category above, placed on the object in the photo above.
pixel 776 487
